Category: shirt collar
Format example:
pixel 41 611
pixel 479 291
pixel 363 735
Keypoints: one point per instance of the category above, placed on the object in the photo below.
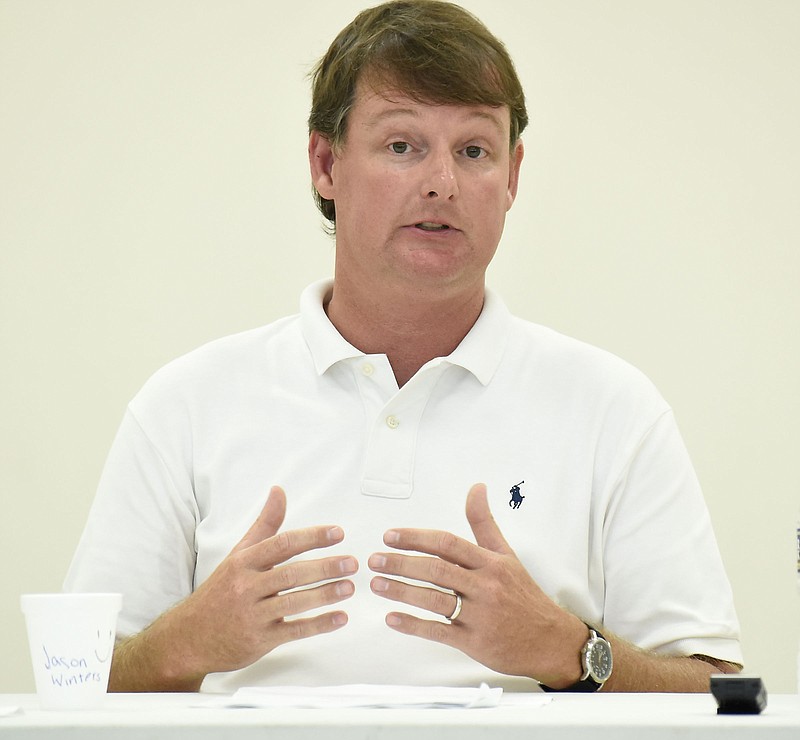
pixel 326 344
pixel 482 349
pixel 479 353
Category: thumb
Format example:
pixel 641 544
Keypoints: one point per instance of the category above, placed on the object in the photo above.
pixel 268 521
pixel 487 533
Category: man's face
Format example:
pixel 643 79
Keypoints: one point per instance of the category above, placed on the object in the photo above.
pixel 421 191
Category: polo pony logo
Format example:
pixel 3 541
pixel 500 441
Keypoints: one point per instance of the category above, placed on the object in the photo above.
pixel 516 496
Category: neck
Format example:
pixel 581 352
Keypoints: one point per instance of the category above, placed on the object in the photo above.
pixel 409 329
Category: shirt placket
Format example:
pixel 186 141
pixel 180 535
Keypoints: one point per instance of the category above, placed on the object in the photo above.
pixel 393 417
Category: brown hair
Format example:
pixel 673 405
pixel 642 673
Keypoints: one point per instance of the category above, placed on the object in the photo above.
pixel 431 51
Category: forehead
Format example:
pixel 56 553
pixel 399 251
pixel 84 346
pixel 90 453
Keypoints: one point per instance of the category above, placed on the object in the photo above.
pixel 373 108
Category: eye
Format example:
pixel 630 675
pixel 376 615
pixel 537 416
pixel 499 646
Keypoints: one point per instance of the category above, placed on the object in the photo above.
pixel 474 152
pixel 400 147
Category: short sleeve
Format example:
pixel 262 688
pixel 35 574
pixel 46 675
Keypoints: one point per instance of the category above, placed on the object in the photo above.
pixel 666 587
pixel 139 537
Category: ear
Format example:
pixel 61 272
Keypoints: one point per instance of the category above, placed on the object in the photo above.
pixel 320 160
pixel 514 166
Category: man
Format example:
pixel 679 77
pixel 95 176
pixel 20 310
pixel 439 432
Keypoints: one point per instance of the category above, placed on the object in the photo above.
pixel 401 383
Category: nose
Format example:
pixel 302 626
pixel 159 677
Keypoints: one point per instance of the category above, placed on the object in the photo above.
pixel 440 178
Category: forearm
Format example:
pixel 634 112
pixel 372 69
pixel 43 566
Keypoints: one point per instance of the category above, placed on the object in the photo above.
pixel 640 670
pixel 153 660
pixel 635 670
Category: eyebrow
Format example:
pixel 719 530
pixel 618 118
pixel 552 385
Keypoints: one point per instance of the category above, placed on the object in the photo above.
pixel 415 113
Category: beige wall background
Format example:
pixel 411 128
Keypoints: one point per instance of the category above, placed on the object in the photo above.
pixel 154 195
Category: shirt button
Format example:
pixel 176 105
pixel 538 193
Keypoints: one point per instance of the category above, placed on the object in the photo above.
pixel 392 422
pixel 367 369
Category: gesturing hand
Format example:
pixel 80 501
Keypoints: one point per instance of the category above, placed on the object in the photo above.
pixel 506 622
pixel 238 614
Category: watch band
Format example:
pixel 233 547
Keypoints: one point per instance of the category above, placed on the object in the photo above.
pixel 583 685
pixel 588 685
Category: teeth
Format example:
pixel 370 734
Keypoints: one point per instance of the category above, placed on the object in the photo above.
pixel 428 226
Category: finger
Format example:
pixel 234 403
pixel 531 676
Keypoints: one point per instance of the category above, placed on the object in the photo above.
pixel 307 572
pixel 435 571
pixel 296 602
pixel 298 629
pixel 484 527
pixel 286 545
pixel 429 629
pixel 268 522
pixel 439 543
pixel 431 599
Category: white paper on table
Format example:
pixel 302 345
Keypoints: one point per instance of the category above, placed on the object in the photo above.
pixel 366 695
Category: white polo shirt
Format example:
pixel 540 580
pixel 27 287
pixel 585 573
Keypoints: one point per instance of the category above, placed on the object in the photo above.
pixel 587 477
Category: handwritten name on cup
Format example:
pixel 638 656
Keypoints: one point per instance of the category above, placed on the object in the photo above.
pixel 75 670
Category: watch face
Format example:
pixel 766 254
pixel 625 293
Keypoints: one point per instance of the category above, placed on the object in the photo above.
pixel 599 660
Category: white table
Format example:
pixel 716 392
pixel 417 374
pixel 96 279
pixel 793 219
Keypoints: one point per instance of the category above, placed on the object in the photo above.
pixel 566 717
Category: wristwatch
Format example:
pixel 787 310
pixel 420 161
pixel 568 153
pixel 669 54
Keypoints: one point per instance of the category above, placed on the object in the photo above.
pixel 597 663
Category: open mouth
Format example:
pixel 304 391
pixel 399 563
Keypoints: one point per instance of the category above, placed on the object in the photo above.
pixel 430 226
